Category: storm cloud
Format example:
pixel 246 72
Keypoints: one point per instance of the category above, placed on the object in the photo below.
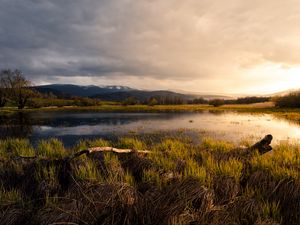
pixel 197 45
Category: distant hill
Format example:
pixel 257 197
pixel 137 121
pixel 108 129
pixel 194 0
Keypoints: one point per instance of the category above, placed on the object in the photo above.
pixel 207 95
pixel 78 90
pixel 283 93
pixel 142 95
pixel 120 93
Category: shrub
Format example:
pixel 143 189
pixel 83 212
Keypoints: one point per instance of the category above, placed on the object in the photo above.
pixel 292 100
pixel 152 102
pixel 217 102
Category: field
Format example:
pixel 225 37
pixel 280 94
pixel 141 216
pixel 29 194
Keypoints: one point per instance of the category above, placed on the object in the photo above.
pixel 177 182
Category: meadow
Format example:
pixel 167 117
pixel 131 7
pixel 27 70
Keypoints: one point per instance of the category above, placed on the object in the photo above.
pixel 177 182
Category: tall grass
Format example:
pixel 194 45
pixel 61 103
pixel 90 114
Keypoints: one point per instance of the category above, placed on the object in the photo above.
pixel 16 147
pixel 282 163
pixel 178 182
pixel 87 170
pixel 52 148
pixel 9 197
pixel 193 169
pixel 217 145
pixel 131 143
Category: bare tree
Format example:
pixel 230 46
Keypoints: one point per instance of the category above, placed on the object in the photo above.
pixel 3 90
pixel 17 87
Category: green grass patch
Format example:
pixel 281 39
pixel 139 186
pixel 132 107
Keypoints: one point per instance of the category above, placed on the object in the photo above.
pixel 16 147
pixel 52 148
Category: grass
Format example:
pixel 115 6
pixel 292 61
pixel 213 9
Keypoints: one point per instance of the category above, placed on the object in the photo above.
pixel 292 114
pixel 179 182
pixel 283 163
pixel 87 170
pixel 8 197
pixel 52 148
pixel 16 147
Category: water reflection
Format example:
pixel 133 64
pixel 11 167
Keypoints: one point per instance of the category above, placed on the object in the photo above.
pixel 92 118
pixel 16 126
pixel 70 127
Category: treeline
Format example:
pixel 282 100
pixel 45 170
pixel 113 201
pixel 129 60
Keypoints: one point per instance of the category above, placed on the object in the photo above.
pixel 219 102
pixel 170 100
pixel 16 90
pixel 291 100
pixel 245 100
pixel 43 101
pixel 155 100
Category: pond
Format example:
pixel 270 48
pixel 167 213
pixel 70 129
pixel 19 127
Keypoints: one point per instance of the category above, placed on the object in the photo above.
pixel 73 126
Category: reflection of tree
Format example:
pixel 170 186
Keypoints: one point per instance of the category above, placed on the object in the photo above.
pixel 16 126
pixel 89 119
pixel 293 119
pixel 216 112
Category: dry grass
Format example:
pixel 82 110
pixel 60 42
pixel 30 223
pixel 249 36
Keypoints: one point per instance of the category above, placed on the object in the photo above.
pixel 177 183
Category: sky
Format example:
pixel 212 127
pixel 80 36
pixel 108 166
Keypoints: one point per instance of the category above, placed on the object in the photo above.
pixel 211 46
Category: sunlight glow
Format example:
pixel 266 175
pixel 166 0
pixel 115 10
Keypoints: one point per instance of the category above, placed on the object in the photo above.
pixel 275 77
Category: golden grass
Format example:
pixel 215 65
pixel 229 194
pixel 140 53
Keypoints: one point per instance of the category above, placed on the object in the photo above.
pixel 52 148
pixel 177 183
pixel 16 147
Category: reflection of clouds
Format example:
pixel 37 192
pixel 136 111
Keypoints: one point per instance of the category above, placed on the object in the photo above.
pixel 75 119
pixel 45 128
pixel 232 126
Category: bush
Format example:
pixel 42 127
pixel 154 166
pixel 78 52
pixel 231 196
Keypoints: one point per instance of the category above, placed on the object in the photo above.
pixel 217 102
pixel 292 100
pixel 49 102
pixel 130 101
pixel 198 101
pixel 86 102
pixel 152 102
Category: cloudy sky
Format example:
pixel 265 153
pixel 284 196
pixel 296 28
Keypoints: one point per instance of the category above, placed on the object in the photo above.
pixel 232 46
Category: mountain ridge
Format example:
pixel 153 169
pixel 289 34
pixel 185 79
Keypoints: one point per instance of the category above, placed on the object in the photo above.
pixel 120 93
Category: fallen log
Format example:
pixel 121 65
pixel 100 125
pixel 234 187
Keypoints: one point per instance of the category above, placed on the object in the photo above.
pixel 263 146
pixel 105 149
pixel 116 150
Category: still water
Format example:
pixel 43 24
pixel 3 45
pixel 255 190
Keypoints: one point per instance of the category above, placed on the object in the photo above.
pixel 71 127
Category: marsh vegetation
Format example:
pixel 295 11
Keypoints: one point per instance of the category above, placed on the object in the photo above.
pixel 178 182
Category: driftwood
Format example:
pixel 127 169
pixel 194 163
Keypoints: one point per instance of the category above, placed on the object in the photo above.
pixel 263 146
pixel 105 149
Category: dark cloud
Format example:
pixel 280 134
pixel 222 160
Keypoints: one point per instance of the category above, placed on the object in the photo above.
pixel 172 40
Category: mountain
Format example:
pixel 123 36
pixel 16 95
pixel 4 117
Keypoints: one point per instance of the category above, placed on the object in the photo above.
pixel 109 93
pixel 207 95
pixel 78 90
pixel 142 95
pixel 286 92
pixel 120 93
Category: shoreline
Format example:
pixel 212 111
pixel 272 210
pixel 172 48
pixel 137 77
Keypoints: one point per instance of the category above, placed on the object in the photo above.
pixel 286 113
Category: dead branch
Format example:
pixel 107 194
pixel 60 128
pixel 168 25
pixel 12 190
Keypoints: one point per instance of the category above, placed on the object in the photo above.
pixel 105 149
